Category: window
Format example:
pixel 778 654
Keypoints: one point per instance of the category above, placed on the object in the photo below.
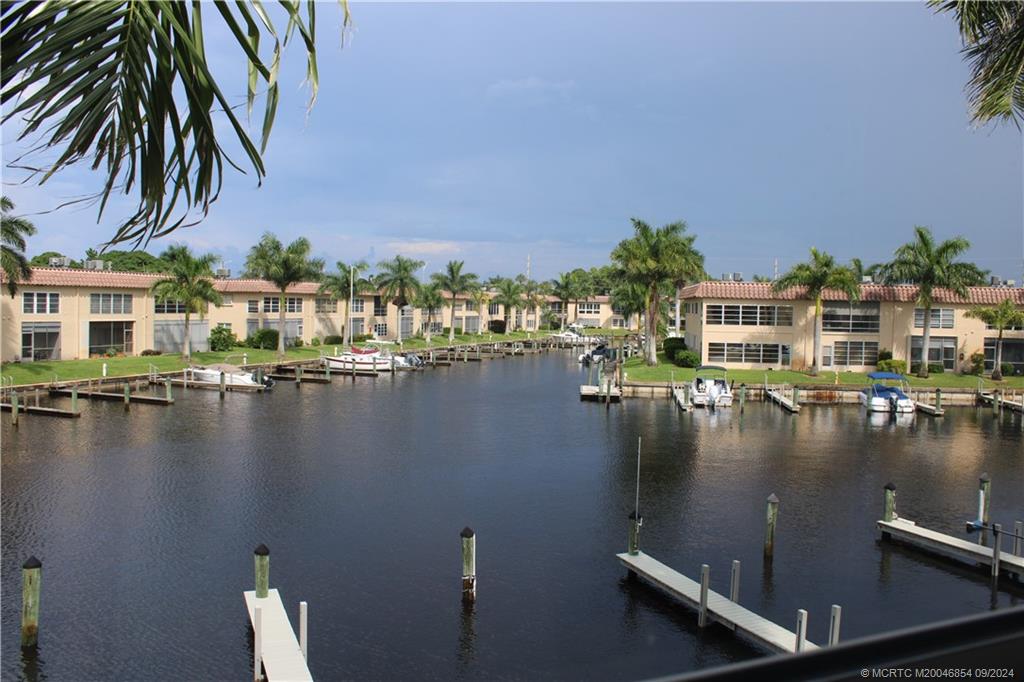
pixel 253 305
pixel 293 305
pixel 110 304
pixel 40 303
pixel 226 301
pixel 493 309
pixel 755 353
pixel 556 307
pixel 458 306
pixel 1013 353
pixel 471 307
pixel 380 308
pixel 358 305
pixel 104 336
pixel 618 322
pixel 747 315
pixel 589 309
pixel 40 341
pixel 941 349
pixel 358 325
pixel 271 304
pixel 163 307
pixel 826 356
pixel 847 317
pixel 854 353
pixel 942 318
pixel 326 305
pixel 380 329
pixel 435 327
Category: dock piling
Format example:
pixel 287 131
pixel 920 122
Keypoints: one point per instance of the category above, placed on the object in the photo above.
pixel 127 396
pixel 634 532
pixel 298 376
pixel 833 625
pixel 801 630
pixel 997 541
pixel 257 644
pixel 743 396
pixel 890 502
pixel 223 385
pixel 303 629
pixel 262 565
pixel 938 399
pixel 14 408
pixel 468 565
pixel 74 398
pixel 984 497
pixel 734 582
pixel 796 396
pixel 705 579
pixel 1018 537
pixel 167 389
pixel 772 517
pixel 31 572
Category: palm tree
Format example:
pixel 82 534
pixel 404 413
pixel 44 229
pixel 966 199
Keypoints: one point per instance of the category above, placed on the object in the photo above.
pixel 534 298
pixel 190 282
pixel 283 266
pixel 481 299
pixel 344 286
pixel 690 269
pixel 931 266
pixel 397 282
pixel 1004 316
pixel 12 246
pixel 457 283
pixel 815 276
pixel 992 33
pixel 630 298
pixel 127 85
pixel 568 288
pixel 509 293
pixel 653 258
pixel 430 298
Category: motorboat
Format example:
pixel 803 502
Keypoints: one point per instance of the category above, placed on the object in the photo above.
pixel 710 387
pixel 887 397
pixel 368 358
pixel 598 353
pixel 233 376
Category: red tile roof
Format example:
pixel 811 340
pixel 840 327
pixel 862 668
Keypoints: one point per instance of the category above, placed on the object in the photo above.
pixel 903 293
pixel 67 277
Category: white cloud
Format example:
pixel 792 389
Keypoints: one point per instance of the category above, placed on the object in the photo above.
pixel 531 85
pixel 424 247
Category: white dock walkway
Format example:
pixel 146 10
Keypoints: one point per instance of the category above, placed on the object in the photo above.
pixel 775 395
pixel 589 392
pixel 1016 406
pixel 910 532
pixel 681 398
pixel 929 409
pixel 743 621
pixel 282 655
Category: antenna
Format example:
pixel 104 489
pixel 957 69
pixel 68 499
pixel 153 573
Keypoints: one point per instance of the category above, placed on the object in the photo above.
pixel 776 275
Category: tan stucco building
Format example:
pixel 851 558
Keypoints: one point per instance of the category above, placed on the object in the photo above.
pixel 748 325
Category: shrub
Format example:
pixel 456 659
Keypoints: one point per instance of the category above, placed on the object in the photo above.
pixel 315 341
pixel 496 326
pixel 890 365
pixel 263 338
pixel 111 352
pixel 150 351
pixel 686 358
pixel 222 339
pixel 884 355
pixel 673 345
pixel 977 363
pixel 333 340
pixel 362 338
pixel 933 368
pixel 297 342
pixel 1007 369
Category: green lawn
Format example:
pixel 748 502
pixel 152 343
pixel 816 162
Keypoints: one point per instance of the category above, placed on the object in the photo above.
pixel 41 372
pixel 636 370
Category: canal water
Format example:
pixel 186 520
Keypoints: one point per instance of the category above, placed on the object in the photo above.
pixel 146 522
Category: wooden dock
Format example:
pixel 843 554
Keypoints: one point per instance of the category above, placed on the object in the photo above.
pixel 929 409
pixel 682 399
pixel 133 398
pixel 210 385
pixel 909 532
pixel 775 395
pixel 306 378
pixel 590 392
pixel 743 622
pixel 46 411
pixel 282 656
pixel 989 398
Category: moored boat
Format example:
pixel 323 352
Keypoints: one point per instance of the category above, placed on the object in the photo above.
pixel 233 376
pixel 710 387
pixel 880 397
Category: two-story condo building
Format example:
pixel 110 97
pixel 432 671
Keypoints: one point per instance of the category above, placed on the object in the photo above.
pixel 749 325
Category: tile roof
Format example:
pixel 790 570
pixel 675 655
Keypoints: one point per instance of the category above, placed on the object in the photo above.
pixel 902 293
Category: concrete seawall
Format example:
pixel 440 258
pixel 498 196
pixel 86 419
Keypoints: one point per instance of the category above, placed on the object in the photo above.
pixel 820 394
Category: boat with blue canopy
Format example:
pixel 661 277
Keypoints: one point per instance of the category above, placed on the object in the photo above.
pixel 887 393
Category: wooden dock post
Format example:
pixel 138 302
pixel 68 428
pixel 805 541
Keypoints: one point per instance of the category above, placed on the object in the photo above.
pixel 743 396
pixel 984 497
pixel 468 565
pixel 634 532
pixel 298 376
pixel 890 503
pixel 590 373
pixel 772 517
pixel 801 630
pixel 31 572
pixel 995 401
pixel 997 541
pixel 796 396
pixel 262 561
pixel 1018 537
pixel 74 398
pixel 705 579
pixel 257 644
pixel 327 371
pixel 14 408
pixel 127 396
pixel 223 385
pixel 734 582
pixel 304 629
pixel 938 399
pixel 833 625
pixel 167 389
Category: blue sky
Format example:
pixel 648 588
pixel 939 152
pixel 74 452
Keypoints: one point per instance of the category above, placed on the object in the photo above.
pixel 490 132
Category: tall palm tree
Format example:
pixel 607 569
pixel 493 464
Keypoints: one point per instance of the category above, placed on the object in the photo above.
pixel 430 298
pixel 398 283
pixel 283 266
pixel 690 269
pixel 1004 316
pixel 509 294
pixel 190 282
pixel 347 283
pixel 568 288
pixel 534 298
pixel 126 85
pixel 992 34
pixel 481 299
pixel 12 246
pixel 652 258
pixel 630 298
pixel 931 266
pixel 457 283
pixel 815 276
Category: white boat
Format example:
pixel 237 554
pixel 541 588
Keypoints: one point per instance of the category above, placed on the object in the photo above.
pixel 233 376
pixel 710 390
pixel 367 359
pixel 879 397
